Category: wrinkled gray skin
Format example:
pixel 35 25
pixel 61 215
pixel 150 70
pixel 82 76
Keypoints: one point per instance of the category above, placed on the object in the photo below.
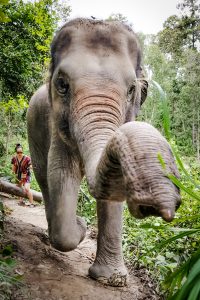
pixel 75 127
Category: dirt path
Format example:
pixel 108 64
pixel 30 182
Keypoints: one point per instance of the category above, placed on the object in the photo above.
pixel 53 275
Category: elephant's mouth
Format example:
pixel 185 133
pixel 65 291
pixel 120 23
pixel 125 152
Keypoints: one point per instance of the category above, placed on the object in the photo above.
pixel 166 214
pixel 142 211
pixel 146 211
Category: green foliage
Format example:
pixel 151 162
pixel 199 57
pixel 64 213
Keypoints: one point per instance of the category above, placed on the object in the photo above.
pixel 184 282
pixel 3 16
pixel 180 79
pixel 12 113
pixel 7 276
pixel 86 204
pixel 186 98
pixel 188 271
pixel 7 264
pixel 190 10
pixel 172 59
pixel 171 38
pixel 180 32
pixel 25 37
pixel 191 288
pixel 34 184
pixel 25 42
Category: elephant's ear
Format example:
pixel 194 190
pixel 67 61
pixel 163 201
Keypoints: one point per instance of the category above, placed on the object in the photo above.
pixel 143 85
pixel 141 92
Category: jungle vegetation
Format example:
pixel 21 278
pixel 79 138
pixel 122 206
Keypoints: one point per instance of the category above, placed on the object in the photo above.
pixel 172 60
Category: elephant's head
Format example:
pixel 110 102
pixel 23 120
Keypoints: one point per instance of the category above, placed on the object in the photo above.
pixel 97 85
pixel 96 79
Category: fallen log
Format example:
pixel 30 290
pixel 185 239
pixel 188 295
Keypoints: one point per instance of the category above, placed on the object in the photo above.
pixel 10 188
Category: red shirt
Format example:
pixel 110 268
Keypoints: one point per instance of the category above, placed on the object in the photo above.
pixel 22 167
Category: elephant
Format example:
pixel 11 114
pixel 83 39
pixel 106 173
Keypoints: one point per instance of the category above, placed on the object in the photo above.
pixel 82 122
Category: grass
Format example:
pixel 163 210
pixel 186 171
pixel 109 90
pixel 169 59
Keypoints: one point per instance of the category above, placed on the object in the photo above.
pixel 8 278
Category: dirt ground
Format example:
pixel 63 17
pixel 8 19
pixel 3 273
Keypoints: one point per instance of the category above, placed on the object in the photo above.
pixel 53 275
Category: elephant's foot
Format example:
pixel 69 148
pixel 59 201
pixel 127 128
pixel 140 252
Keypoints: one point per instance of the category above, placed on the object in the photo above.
pixel 69 238
pixel 114 275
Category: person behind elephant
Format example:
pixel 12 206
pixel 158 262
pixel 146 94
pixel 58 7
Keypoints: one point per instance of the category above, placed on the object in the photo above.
pixel 21 165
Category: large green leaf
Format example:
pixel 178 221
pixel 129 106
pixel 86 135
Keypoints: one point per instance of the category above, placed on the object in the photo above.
pixel 180 163
pixel 178 236
pixel 191 288
pixel 182 187
pixel 166 116
pixel 175 279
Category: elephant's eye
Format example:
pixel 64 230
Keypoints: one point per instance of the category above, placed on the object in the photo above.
pixel 131 92
pixel 61 86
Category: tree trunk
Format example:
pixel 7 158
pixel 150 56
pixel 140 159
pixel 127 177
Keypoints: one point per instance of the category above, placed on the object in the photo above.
pixel 193 129
pixel 198 134
pixel 8 134
pixel 12 189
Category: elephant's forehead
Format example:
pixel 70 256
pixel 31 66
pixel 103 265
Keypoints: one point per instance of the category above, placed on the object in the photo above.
pixel 103 38
pixel 112 39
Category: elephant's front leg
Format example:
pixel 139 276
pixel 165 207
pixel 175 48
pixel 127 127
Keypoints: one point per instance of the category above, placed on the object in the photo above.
pixel 109 266
pixel 66 230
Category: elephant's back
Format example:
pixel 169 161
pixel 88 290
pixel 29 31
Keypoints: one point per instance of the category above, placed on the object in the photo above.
pixel 39 103
pixel 38 121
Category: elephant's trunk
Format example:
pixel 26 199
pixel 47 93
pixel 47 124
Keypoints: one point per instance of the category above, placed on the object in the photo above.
pixel 121 161
pixel 148 189
pixel 96 118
